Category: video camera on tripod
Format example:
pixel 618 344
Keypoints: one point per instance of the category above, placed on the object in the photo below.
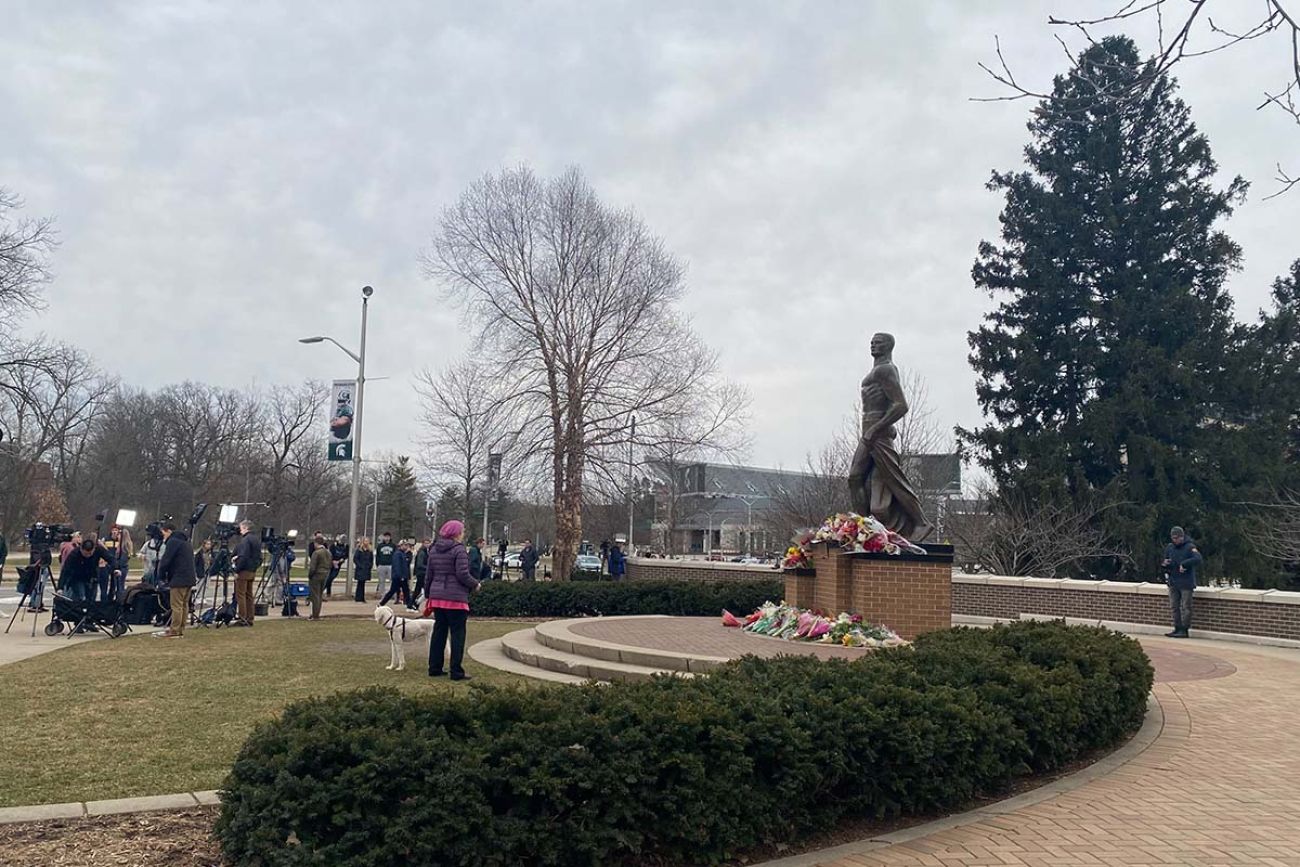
pixel 42 537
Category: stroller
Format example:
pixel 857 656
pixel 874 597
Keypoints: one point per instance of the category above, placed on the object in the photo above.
pixel 107 617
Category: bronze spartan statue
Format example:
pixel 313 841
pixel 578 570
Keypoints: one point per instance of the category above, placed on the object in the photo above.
pixel 877 483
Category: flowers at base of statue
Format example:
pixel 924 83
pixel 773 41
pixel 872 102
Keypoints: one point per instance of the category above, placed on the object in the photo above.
pixel 796 558
pixel 854 532
pixel 797 624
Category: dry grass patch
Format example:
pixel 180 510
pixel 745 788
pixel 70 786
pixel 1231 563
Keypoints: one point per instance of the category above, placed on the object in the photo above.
pixel 141 716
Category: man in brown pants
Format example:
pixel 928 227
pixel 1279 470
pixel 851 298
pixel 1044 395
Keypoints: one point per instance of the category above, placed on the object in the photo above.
pixel 318 571
pixel 176 570
pixel 248 558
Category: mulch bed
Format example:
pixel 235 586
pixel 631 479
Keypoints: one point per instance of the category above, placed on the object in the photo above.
pixel 176 838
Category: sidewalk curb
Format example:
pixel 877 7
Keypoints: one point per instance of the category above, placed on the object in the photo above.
pixel 113 807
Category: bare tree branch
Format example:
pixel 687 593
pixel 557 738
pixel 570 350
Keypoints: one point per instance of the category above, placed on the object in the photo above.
pixel 1276 18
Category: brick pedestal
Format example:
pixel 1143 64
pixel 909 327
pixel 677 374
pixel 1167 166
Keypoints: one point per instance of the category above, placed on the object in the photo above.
pixel 909 593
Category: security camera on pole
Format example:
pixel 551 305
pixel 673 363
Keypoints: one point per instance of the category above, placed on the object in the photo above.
pixel 342 448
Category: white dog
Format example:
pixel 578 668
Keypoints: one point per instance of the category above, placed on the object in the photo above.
pixel 400 630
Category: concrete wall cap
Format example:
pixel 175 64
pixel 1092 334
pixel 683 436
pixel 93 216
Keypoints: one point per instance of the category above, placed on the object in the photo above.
pixel 1282 597
pixel 1079 584
pixel 1243 595
pixel 963 578
pixel 1117 586
pixel 1005 581
pixel 1045 583
pixel 1146 588
pixel 657 563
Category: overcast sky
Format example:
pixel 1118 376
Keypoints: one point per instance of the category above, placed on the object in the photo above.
pixel 226 176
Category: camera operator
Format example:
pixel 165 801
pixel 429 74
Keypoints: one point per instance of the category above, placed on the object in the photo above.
pixel 176 571
pixel 338 551
pixel 248 559
pixel 81 568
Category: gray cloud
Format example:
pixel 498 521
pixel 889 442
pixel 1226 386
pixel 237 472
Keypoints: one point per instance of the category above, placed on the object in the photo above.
pixel 226 176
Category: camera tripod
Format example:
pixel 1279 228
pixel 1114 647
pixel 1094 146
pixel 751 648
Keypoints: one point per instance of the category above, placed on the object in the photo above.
pixel 219 614
pixel 35 585
pixel 276 574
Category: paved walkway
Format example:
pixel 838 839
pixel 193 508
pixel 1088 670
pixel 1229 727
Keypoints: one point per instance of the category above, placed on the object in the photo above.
pixel 1219 785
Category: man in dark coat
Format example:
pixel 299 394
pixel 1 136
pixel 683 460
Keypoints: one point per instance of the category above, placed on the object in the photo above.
pixel 248 559
pixel 528 560
pixel 1180 562
pixel 81 567
pixel 176 572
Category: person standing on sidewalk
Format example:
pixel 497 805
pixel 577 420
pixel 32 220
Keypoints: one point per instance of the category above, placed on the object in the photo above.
pixel 421 566
pixel 248 559
pixel 4 555
pixel 1180 562
pixel 362 561
pixel 528 560
pixel 384 552
pixel 176 570
pixel 447 586
pixel 318 572
pixel 400 585
pixel 338 556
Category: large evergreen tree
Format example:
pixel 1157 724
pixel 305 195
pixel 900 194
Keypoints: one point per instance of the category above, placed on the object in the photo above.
pixel 401 505
pixel 1107 364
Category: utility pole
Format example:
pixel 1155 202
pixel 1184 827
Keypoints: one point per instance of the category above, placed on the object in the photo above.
pixel 631 493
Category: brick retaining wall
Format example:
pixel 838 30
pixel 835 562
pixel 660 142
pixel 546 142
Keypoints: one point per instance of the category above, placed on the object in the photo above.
pixel 1269 614
pixel 1265 613
pixel 654 569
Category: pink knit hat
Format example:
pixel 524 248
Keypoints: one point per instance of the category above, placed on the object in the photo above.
pixel 451 529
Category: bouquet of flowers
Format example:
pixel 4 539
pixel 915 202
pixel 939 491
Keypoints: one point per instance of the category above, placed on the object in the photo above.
pixel 854 532
pixel 796 624
pixel 796 557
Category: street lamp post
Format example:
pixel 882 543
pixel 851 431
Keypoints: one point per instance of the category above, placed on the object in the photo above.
pixel 631 494
pixel 360 359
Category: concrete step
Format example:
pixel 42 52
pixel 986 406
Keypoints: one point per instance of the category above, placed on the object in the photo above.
pixel 558 636
pixel 523 646
pixel 492 653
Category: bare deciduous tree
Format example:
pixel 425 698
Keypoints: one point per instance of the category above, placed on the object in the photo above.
pixel 464 420
pixel 1013 536
pixel 1275 528
pixel 25 246
pixel 576 308
pixel 48 415
pixel 1179 26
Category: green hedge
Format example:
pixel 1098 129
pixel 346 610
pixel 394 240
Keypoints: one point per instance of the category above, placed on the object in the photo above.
pixel 578 598
pixel 682 771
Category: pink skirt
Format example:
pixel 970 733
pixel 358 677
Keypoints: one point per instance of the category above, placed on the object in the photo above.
pixel 445 604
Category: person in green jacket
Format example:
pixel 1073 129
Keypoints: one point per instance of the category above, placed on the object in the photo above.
pixel 318 570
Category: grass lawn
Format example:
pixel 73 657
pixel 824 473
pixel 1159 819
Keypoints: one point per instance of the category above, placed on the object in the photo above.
pixel 142 716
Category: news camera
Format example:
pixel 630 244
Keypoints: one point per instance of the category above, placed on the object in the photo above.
pixel 153 529
pixel 40 535
pixel 225 530
pixel 276 544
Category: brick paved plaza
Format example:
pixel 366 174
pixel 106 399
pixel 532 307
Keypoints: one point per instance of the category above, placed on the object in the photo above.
pixel 1218 786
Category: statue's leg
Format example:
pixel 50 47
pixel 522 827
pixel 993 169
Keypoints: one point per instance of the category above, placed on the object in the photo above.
pixel 859 479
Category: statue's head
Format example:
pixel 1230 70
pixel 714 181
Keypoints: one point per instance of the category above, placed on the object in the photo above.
pixel 881 344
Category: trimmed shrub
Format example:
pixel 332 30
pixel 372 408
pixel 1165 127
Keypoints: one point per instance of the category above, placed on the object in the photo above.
pixel 578 598
pixel 683 771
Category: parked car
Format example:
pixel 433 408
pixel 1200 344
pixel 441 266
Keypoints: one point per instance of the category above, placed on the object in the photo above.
pixel 512 561
pixel 587 563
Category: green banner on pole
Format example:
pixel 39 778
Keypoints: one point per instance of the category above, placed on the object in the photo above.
pixel 341 415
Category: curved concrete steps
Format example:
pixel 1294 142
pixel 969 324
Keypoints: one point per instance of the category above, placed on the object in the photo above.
pixel 552 651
